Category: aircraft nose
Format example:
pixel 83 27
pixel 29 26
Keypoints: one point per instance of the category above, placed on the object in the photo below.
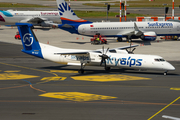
pixel 2 19
pixel 170 67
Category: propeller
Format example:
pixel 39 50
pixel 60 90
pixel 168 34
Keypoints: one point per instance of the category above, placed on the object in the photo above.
pixel 104 57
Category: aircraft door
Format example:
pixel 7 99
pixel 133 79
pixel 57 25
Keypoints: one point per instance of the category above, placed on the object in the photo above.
pixel 83 29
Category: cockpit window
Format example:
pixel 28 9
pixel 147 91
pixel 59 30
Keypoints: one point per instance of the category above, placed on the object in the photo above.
pixel 156 59
pixel 162 60
pixel 159 60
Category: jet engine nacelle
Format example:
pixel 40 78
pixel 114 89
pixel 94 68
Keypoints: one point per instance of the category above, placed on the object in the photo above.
pixel 149 36
pixel 46 23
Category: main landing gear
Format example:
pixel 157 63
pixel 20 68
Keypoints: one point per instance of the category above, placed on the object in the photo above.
pixel 119 39
pixel 81 71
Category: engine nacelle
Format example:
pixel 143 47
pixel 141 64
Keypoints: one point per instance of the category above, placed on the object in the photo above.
pixel 149 36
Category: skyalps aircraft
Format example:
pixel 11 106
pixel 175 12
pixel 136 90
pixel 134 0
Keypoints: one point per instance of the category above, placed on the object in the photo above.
pixel 37 18
pixel 131 30
pixel 117 57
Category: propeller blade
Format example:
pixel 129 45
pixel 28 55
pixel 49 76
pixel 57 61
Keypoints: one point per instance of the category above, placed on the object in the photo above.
pixel 104 63
pixel 107 49
pixel 101 62
pixel 103 49
pixel 133 49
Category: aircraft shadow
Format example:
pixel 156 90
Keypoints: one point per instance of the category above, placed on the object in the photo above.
pixel 76 42
pixel 44 29
pixel 112 71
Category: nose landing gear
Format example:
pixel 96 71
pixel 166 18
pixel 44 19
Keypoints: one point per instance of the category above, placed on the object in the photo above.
pixel 165 73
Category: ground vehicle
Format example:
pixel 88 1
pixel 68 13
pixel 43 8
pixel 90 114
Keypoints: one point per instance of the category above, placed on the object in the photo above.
pixel 17 36
pixel 98 39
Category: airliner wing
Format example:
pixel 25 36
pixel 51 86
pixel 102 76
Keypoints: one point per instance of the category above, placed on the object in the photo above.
pixel 37 20
pixel 41 21
pixel 136 31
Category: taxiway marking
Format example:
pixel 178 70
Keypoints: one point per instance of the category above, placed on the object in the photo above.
pixel 108 78
pixel 12 71
pixel 164 108
pixel 15 76
pixel 76 96
pixel 63 71
pixel 59 78
pixel 174 88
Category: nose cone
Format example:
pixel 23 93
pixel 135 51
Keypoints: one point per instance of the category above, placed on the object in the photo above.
pixel 169 66
pixel 2 19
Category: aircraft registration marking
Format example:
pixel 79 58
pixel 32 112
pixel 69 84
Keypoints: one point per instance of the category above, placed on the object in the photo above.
pixel 108 78
pixel 15 76
pixel 76 96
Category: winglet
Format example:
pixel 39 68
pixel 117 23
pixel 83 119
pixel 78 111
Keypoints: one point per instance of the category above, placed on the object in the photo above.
pixel 137 32
pixel 29 41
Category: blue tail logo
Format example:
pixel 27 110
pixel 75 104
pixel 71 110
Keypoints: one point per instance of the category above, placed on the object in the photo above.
pixel 27 39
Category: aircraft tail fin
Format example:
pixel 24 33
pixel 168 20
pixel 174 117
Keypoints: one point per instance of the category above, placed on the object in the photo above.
pixel 67 14
pixel 29 41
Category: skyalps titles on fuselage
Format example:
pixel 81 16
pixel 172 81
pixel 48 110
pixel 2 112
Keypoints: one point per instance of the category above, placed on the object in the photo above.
pixel 144 30
pixel 37 18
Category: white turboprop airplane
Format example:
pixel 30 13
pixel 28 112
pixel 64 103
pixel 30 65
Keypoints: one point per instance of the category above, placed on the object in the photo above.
pixel 37 18
pixel 131 30
pixel 117 57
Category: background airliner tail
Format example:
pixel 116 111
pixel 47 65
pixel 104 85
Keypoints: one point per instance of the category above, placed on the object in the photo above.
pixel 30 43
pixel 67 14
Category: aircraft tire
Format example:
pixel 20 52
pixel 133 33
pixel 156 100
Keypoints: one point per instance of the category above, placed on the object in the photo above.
pixel 107 68
pixel 81 71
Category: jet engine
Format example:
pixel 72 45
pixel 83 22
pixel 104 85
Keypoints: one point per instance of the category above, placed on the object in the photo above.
pixel 148 36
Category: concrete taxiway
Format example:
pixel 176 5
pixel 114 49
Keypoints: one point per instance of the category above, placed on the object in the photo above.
pixel 33 88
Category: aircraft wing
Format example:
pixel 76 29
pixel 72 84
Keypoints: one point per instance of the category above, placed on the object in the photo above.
pixel 41 21
pixel 120 48
pixel 96 51
pixel 34 20
pixel 135 32
pixel 77 53
pixel 126 47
